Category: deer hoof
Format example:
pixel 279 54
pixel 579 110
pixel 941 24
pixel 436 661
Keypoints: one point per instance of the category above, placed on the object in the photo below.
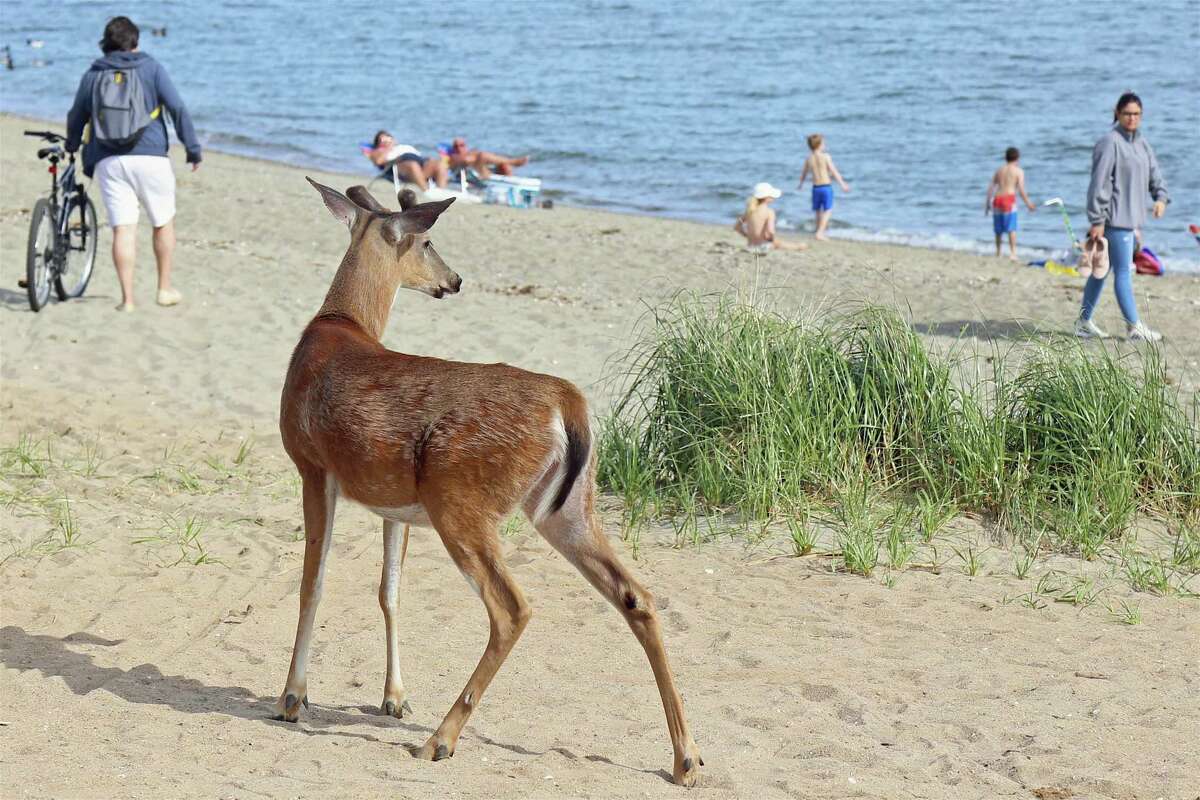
pixel 687 771
pixel 288 707
pixel 397 710
pixel 435 750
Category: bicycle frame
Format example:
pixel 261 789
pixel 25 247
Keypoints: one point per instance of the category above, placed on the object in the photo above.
pixel 69 186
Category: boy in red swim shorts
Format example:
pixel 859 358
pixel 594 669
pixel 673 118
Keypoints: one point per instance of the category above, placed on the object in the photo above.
pixel 1001 200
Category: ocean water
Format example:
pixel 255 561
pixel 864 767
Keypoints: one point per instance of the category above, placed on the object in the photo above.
pixel 678 108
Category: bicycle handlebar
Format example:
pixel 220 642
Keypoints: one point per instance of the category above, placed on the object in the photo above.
pixel 49 136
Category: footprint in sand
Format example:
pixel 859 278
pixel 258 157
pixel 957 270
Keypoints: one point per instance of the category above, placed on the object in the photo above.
pixel 677 621
pixel 851 716
pixel 817 693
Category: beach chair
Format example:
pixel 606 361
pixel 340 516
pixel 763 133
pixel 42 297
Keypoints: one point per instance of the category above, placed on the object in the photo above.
pixel 505 190
pixel 430 194
pixel 387 173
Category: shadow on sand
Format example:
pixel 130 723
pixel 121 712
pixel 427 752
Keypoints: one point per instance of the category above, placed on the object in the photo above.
pixel 989 329
pixel 145 683
pixel 54 658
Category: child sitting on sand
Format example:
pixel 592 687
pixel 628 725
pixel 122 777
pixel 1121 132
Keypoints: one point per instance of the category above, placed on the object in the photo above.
pixel 757 223
pixel 1002 200
pixel 820 164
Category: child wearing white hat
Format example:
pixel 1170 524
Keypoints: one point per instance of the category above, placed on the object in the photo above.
pixel 757 222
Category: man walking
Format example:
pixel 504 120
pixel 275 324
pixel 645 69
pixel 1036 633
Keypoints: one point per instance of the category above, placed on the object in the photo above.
pixel 126 96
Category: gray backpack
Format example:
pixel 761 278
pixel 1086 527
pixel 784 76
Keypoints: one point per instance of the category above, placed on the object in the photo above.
pixel 119 112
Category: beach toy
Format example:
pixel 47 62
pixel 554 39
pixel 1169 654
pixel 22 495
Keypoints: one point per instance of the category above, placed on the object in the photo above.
pixel 1147 263
pixel 1055 268
pixel 1058 201
pixel 1194 230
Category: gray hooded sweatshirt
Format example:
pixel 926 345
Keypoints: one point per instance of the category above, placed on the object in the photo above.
pixel 1123 169
pixel 159 92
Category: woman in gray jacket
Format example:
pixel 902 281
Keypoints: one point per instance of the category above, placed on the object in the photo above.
pixel 1123 169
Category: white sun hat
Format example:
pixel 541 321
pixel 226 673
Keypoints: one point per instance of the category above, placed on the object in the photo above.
pixel 764 190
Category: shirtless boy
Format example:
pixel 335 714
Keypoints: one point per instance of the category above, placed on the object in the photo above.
pixel 1002 200
pixel 820 165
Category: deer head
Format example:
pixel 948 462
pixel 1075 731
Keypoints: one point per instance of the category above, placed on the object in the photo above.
pixel 393 245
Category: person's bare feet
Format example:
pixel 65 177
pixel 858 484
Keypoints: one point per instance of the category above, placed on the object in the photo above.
pixel 520 162
pixel 169 297
pixel 124 306
pixel 820 237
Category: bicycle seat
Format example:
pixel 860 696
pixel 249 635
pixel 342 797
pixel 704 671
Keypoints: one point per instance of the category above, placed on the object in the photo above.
pixel 50 151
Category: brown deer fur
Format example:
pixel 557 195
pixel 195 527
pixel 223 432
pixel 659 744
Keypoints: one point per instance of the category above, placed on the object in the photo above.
pixel 449 445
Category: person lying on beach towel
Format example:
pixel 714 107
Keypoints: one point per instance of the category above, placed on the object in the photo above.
pixel 408 162
pixel 459 156
pixel 757 223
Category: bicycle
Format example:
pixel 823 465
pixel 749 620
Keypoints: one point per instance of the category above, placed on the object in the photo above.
pixel 62 234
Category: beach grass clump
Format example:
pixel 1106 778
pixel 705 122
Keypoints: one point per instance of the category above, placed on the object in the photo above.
pixel 731 406
pixel 1090 443
pixel 733 410
pixel 904 408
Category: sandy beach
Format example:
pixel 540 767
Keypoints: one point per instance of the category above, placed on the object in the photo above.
pixel 143 659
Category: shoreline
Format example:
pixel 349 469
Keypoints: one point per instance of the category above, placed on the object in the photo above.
pixel 839 231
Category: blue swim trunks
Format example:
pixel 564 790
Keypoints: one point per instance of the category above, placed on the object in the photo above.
pixel 1004 223
pixel 823 197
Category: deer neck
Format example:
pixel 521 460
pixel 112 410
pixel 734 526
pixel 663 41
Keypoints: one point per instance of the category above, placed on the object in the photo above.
pixel 363 291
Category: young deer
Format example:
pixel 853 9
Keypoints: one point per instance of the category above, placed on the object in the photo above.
pixel 444 444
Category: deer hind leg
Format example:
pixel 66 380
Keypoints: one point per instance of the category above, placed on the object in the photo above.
pixel 395 699
pixel 475 548
pixel 320 499
pixel 575 532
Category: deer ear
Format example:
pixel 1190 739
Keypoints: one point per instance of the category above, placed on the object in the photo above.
pixel 343 208
pixel 365 199
pixel 420 218
pixel 407 199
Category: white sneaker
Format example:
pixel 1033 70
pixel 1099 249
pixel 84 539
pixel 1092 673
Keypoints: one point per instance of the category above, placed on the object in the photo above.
pixel 1141 332
pixel 1086 329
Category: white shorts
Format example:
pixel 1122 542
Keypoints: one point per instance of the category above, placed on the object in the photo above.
pixel 125 180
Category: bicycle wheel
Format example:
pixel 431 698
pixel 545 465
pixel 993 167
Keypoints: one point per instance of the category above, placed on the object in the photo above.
pixel 39 255
pixel 80 255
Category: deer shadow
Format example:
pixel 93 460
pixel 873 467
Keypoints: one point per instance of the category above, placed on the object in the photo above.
pixel 146 684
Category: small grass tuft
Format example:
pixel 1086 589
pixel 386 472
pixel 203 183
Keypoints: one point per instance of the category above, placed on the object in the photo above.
pixel 183 535
pixel 1126 614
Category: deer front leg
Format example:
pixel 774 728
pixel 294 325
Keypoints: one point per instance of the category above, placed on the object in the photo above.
pixel 320 498
pixel 395 699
